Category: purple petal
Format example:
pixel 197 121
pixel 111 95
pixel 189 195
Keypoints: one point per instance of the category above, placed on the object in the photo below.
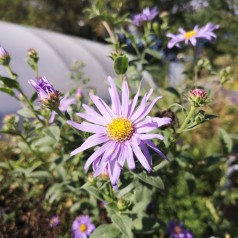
pixel 102 107
pixel 130 158
pixel 88 127
pixel 125 99
pixel 96 154
pixel 143 160
pixel 116 104
pixel 150 136
pixel 90 142
pixel 153 146
pixel 134 101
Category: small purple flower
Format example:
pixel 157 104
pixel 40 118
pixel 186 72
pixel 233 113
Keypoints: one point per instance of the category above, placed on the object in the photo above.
pixel 64 105
pixel 177 230
pixel 4 56
pixel 82 226
pixel 146 15
pixel 122 130
pixel 46 92
pixel 54 221
pixel 206 32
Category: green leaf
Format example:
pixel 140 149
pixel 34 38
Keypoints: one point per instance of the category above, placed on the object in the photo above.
pixel 53 132
pixel 106 231
pixel 173 91
pixel 145 225
pixel 11 83
pixel 121 65
pixel 190 180
pixel 124 223
pixel 25 113
pixel 40 174
pixel 155 54
pixel 226 140
pixel 9 91
pixel 92 190
pixel 152 179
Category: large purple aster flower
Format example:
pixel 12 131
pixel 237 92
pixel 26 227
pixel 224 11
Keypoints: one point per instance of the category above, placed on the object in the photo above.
pixel 206 32
pixel 65 102
pixel 122 131
pixel 46 92
pixel 82 226
pixel 177 230
pixel 145 15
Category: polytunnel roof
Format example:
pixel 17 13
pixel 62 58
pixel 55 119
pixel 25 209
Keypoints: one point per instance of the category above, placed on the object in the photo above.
pixel 56 52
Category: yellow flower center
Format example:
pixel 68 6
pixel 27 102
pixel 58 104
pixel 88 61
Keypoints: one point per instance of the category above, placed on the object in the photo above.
pixel 83 227
pixel 189 34
pixel 120 129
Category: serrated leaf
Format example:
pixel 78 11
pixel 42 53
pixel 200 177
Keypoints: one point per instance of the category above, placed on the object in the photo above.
pixel 106 231
pixel 124 223
pixel 151 179
pixel 121 65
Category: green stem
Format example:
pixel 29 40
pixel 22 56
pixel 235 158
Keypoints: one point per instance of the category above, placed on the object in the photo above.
pixel 23 94
pixel 195 66
pixel 109 31
pixel 192 111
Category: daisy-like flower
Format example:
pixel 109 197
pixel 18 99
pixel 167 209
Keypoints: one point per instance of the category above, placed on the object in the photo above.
pixel 54 221
pixel 122 131
pixel 177 230
pixel 206 32
pixel 65 102
pixel 82 226
pixel 145 15
pixel 46 92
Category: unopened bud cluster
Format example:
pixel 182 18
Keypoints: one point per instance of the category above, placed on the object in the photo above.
pixel 32 54
pixel 198 97
pixel 4 57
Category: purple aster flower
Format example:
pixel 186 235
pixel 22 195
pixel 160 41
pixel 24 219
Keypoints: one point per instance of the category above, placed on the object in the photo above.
pixel 122 131
pixel 64 105
pixel 46 92
pixel 146 15
pixel 206 32
pixel 4 56
pixel 82 226
pixel 54 221
pixel 177 230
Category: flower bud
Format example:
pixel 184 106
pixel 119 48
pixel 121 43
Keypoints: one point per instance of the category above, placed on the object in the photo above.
pixel 198 97
pixel 104 175
pixel 47 94
pixel 4 57
pixel 121 204
pixel 91 180
pixel 79 93
pixel 32 54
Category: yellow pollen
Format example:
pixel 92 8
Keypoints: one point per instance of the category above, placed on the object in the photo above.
pixel 189 34
pixel 120 129
pixel 82 227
